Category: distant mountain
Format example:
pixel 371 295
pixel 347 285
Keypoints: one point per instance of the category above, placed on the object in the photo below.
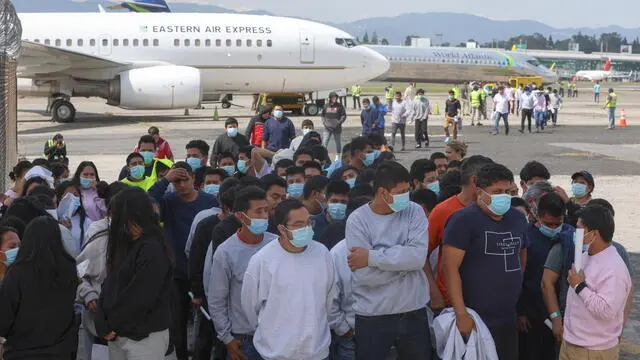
pixel 454 27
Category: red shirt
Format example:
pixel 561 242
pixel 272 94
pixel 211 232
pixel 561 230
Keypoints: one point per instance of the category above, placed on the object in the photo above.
pixel 163 150
pixel 437 221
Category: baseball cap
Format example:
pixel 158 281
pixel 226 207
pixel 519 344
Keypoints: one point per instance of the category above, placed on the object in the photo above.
pixel 586 175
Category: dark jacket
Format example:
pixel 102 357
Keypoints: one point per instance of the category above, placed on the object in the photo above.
pixel 136 298
pixel 53 153
pixel 226 143
pixel 368 118
pixel 333 116
pixel 198 253
pixel 38 322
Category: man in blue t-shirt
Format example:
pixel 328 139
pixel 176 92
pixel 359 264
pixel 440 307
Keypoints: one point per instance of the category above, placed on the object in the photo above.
pixel 278 131
pixel 484 256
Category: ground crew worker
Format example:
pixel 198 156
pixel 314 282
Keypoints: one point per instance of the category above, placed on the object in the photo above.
pixel 464 94
pixel 388 95
pixel 456 92
pixel 355 94
pixel 483 106
pixel 610 105
pixel 55 150
pixel 476 105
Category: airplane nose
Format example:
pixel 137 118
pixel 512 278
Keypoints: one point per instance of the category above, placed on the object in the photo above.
pixel 375 62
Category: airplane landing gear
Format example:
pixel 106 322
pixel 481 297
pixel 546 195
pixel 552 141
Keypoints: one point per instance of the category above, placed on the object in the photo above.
pixel 62 110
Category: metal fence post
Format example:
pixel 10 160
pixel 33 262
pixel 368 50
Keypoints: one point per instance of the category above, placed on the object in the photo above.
pixel 10 47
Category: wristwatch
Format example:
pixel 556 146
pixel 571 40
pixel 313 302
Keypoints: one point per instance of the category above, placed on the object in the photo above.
pixel 580 287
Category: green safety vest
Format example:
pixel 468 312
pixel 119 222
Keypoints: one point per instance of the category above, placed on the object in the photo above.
pixel 614 100
pixel 50 143
pixel 355 90
pixel 389 93
pixel 475 98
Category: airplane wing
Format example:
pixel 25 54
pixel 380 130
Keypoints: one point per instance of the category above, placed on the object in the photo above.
pixel 43 61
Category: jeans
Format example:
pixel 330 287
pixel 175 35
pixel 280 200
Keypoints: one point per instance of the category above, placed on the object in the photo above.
pixel 152 347
pixel 247 348
pixel 342 348
pixel 539 115
pixel 409 332
pixel 421 133
pixel 506 339
pixel 526 114
pixel 596 97
pixel 612 117
pixel 394 129
pixel 326 136
pixel 496 122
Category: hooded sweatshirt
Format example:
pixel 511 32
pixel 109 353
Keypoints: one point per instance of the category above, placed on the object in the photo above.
pixel 368 117
pixel 333 116
pixel 420 110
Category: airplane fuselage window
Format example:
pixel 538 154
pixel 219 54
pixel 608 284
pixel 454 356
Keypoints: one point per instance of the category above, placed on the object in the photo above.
pixel 105 42
pixel 47 42
pixel 269 43
pixel 136 42
pixel 228 42
pixel 125 42
pixel 176 42
pixel 69 42
pixel 207 43
pixel 238 42
pixel 187 42
pixel 37 41
pixel 259 43
pixel 248 42
pixel 116 42
pixel 218 42
pixel 156 42
pixel 197 42
pixel 80 42
pixel 58 42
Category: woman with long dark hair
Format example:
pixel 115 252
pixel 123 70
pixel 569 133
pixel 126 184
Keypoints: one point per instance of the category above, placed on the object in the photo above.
pixel 133 311
pixel 37 297
pixel 86 180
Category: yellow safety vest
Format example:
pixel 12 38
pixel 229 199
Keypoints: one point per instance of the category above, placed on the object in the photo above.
pixel 614 100
pixel 475 98
pixel 50 143
pixel 456 93
pixel 355 90
pixel 149 181
pixel 389 94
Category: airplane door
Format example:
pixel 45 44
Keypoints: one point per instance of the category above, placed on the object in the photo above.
pixel 307 47
pixel 105 45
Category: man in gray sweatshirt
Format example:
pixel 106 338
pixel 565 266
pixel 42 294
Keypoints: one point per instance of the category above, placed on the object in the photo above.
pixel 420 114
pixel 230 262
pixel 387 263
pixel 333 116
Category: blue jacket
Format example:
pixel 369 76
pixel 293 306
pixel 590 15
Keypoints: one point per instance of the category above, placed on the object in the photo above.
pixel 368 118
pixel 382 111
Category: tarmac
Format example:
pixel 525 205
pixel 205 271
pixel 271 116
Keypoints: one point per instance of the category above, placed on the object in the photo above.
pixel 106 135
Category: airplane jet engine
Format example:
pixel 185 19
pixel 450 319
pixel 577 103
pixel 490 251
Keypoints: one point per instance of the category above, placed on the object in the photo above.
pixel 156 88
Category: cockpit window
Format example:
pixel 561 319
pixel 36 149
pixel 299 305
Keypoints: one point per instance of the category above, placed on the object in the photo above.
pixel 349 43
pixel 533 62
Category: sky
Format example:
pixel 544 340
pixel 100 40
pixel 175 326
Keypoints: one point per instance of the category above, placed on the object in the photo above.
pixel 562 14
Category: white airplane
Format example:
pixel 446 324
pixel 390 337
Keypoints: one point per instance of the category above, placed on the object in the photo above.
pixel 171 60
pixel 595 75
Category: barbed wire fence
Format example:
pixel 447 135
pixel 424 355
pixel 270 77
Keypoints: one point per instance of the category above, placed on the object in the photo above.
pixel 10 49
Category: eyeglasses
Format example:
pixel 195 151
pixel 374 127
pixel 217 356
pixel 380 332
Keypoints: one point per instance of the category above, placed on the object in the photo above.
pixel 299 225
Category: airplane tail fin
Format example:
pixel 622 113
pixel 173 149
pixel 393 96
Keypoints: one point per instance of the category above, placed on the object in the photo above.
pixel 143 6
pixel 607 65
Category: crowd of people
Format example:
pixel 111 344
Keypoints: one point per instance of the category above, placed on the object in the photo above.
pixel 281 253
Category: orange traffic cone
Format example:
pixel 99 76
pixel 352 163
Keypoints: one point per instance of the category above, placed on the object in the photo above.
pixel 623 119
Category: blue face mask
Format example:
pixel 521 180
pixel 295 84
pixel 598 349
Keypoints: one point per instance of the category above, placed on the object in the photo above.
pixel 337 211
pixel 137 172
pixel 579 190
pixel 278 114
pixel 351 182
pixel 306 131
pixel 11 256
pixel 257 226
pixel 302 237
pixel 295 190
pixel 400 202
pixel 549 232
pixel 65 180
pixel 242 166
pixel 229 169
pixel 195 163
pixel 377 154
pixel 435 187
pixel 369 159
pixel 147 156
pixel 212 189
pixel 500 204
pixel 232 132
pixel 86 182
